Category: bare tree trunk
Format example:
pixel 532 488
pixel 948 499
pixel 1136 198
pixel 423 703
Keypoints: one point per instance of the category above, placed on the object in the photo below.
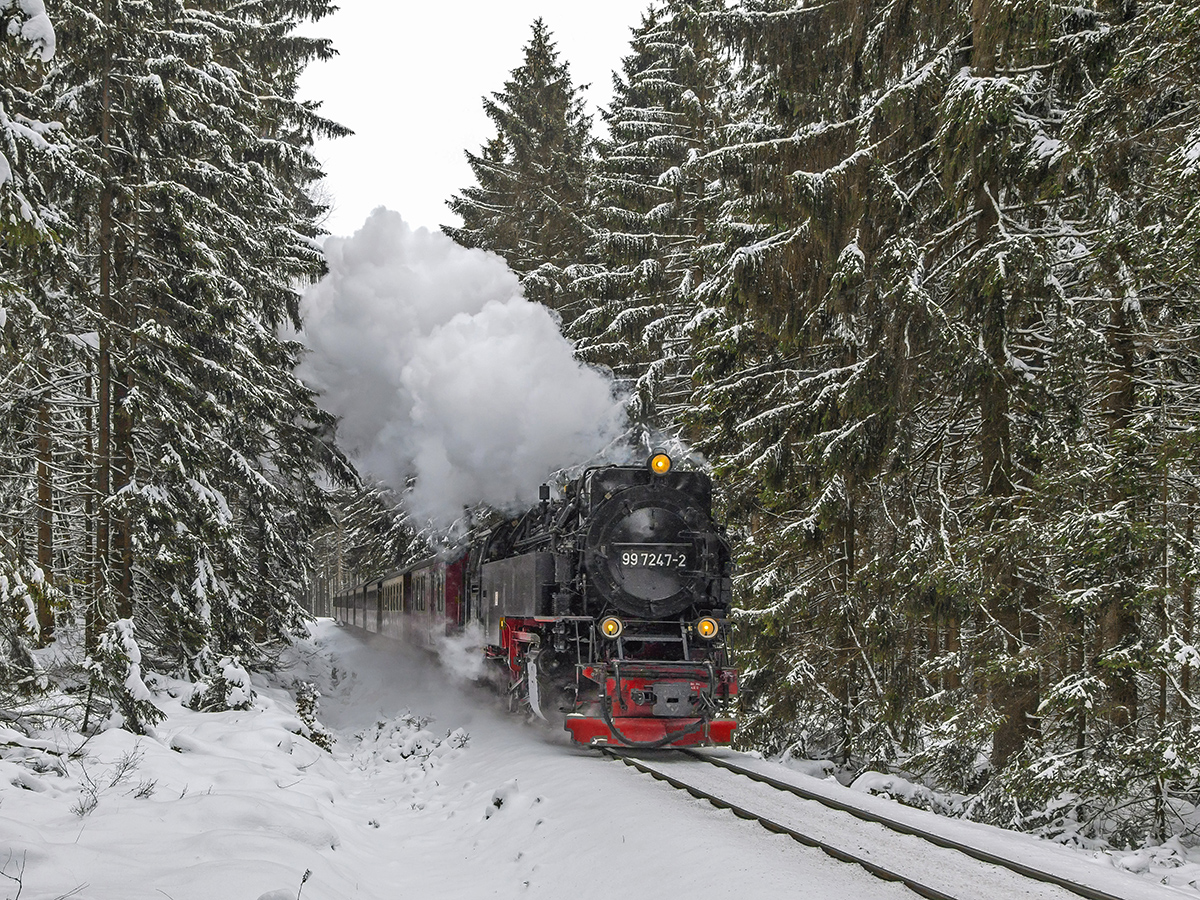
pixel 1187 591
pixel 125 259
pixel 124 539
pixel 1118 618
pixel 848 663
pixel 89 515
pixel 45 510
pixel 98 613
pixel 1014 697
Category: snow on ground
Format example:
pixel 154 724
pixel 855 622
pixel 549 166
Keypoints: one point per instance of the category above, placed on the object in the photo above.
pixel 431 791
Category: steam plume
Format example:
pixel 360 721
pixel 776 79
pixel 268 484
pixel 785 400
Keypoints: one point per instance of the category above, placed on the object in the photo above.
pixel 437 367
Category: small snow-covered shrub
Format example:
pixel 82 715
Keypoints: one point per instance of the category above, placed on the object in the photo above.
pixel 228 688
pixel 116 672
pixel 906 792
pixel 406 739
pixel 19 590
pixel 307 697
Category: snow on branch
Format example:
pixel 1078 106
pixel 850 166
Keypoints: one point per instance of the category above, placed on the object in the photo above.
pixel 36 28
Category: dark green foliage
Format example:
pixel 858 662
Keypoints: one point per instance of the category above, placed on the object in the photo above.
pixel 947 379
pixel 918 280
pixel 652 200
pixel 174 466
pixel 530 195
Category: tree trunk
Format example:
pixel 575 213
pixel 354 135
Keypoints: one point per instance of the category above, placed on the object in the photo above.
pixel 45 511
pixel 98 614
pixel 90 594
pixel 103 417
pixel 1014 697
pixel 123 599
pixel 1188 626
pixel 1118 618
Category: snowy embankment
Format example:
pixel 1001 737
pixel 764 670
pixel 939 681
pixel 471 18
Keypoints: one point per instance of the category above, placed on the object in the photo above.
pixel 430 791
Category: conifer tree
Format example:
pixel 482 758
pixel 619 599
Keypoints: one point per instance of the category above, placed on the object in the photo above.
pixel 652 202
pixel 34 319
pixel 860 361
pixel 1119 500
pixel 530 195
pixel 195 211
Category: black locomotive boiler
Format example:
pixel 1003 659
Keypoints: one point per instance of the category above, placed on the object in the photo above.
pixel 607 608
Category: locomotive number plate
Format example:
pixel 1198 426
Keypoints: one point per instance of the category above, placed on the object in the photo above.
pixel 652 556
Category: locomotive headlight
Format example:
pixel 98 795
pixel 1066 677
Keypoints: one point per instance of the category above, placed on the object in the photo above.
pixel 612 627
pixel 707 628
pixel 660 464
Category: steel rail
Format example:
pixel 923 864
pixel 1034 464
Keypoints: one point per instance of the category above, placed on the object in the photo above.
pixel 778 828
pixel 941 841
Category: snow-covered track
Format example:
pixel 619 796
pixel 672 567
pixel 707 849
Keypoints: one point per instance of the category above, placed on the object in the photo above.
pixel 938 872
pixel 905 828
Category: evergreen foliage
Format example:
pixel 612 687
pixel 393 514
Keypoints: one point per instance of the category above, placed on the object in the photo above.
pixel 651 204
pixel 918 280
pixel 530 196
pixel 116 670
pixel 161 465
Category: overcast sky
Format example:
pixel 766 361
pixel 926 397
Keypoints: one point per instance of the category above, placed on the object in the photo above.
pixel 410 80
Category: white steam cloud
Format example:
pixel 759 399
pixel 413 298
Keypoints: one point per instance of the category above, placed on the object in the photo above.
pixel 437 367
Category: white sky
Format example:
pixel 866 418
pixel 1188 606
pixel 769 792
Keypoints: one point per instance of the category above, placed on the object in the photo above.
pixel 410 80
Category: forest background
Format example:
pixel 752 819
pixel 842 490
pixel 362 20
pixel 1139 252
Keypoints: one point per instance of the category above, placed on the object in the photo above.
pixel 916 276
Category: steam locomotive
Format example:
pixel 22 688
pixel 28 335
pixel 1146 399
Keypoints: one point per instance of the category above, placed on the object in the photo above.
pixel 606 608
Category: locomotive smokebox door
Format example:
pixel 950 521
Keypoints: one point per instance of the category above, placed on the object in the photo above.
pixel 648 551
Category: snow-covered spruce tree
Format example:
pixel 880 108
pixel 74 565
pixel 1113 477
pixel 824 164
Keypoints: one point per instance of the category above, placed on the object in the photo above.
pixel 1120 501
pixel 207 446
pixel 116 668
pixel 530 196
pixel 38 353
pixel 27 42
pixel 21 591
pixel 808 357
pixel 651 206
pixel 864 359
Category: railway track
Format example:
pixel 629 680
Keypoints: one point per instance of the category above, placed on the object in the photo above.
pixel 958 871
